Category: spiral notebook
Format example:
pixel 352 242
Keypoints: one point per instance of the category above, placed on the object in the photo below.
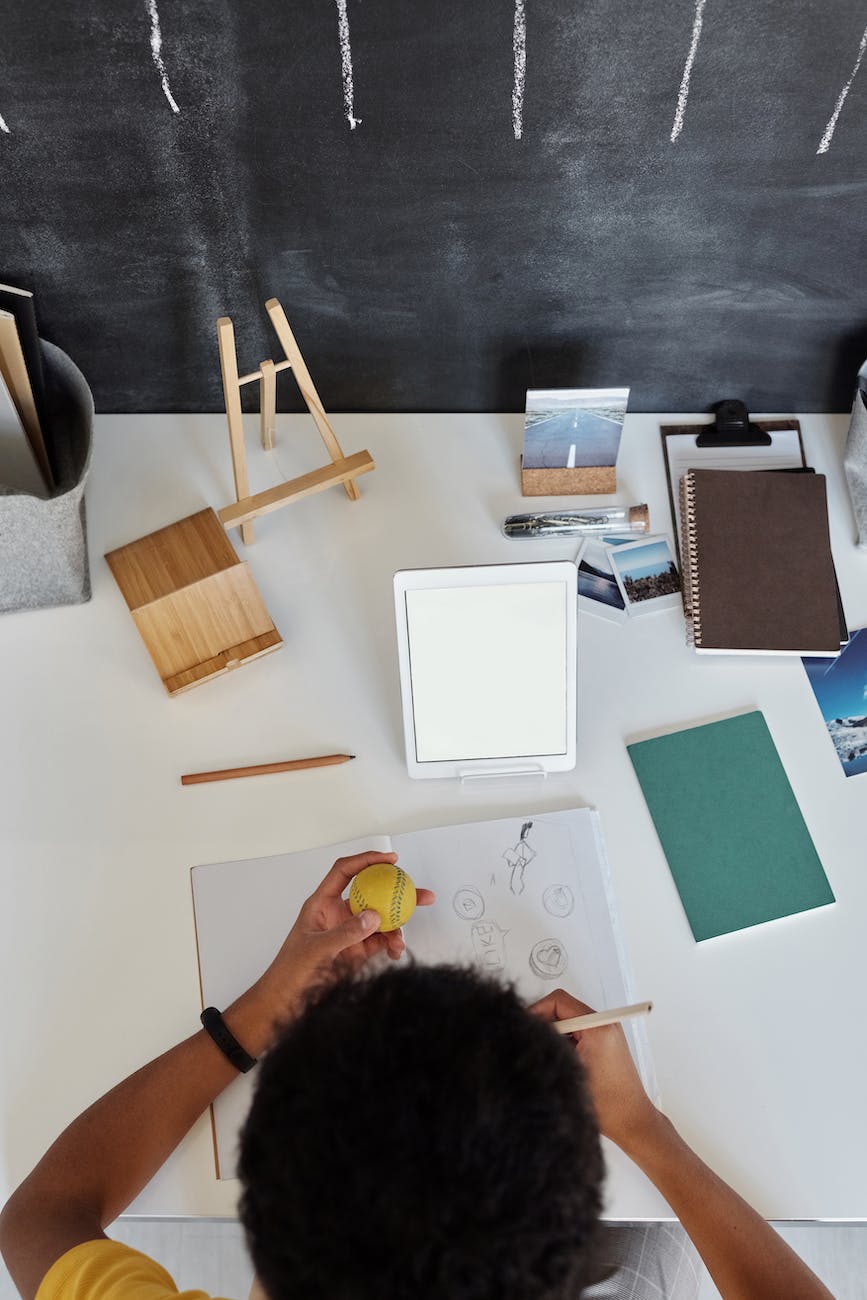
pixel 758 575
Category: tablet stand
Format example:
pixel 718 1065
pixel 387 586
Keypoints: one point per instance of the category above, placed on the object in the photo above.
pixel 469 777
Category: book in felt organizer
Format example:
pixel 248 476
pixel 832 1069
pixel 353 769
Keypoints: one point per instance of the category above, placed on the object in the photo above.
pixel 13 368
pixel 19 303
pixel 758 575
pixel 19 469
pixel 730 826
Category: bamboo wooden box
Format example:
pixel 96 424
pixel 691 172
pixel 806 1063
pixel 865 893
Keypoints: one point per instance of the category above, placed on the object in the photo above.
pixel 194 602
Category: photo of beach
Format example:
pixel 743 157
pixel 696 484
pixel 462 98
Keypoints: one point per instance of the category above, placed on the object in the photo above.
pixel 598 591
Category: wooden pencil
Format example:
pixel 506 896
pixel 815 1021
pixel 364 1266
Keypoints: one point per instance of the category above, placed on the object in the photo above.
pixel 262 769
pixel 595 1019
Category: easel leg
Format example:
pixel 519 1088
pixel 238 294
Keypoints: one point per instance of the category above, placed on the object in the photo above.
pixel 268 404
pixel 306 386
pixel 234 415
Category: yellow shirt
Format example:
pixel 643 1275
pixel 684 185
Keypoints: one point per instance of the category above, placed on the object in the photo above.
pixel 108 1270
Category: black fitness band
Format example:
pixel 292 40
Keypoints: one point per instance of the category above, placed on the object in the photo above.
pixel 228 1044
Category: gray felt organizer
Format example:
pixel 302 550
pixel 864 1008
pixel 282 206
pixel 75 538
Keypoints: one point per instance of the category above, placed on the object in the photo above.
pixel 43 543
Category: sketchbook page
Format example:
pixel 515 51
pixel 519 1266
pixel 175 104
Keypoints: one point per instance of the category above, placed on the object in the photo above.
pixel 783 453
pixel 243 912
pixel 528 898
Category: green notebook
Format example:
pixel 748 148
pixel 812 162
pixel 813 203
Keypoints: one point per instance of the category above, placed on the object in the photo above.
pixel 731 829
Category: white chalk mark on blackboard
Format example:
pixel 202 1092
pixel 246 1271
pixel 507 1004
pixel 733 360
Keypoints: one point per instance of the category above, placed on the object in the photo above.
pixel 683 93
pixel 157 53
pixel 825 142
pixel 346 65
pixel 519 51
pixel 3 126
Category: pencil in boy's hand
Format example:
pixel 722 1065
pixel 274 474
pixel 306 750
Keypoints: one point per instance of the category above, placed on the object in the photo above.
pixel 262 769
pixel 596 1019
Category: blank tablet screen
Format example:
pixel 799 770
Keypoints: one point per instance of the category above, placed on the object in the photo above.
pixel 488 671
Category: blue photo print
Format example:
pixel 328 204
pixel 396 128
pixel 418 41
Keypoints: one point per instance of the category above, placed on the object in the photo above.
pixel 648 574
pixel 569 428
pixel 840 687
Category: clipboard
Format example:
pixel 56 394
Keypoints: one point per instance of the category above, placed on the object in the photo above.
pixel 731 441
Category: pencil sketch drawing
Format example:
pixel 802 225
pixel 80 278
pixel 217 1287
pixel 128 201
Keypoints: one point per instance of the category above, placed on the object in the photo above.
pixel 558 900
pixel 548 959
pixel 469 904
pixel 683 93
pixel 157 53
pixel 825 142
pixel 489 945
pixel 519 858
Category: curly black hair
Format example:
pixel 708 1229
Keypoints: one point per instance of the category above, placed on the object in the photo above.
pixel 418 1135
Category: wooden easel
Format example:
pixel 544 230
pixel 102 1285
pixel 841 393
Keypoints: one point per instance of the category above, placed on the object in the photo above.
pixel 342 469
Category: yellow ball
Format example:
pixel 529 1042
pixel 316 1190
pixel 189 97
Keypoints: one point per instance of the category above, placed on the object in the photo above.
pixel 386 889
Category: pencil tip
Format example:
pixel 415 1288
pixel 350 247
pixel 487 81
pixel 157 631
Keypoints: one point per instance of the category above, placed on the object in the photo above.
pixel 350 756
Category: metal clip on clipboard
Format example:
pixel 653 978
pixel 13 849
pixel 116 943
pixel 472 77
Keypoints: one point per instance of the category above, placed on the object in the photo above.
pixel 733 428
pixel 734 441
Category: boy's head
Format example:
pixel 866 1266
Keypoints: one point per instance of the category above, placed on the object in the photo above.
pixel 418 1135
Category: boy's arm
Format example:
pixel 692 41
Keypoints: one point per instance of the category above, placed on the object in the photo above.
pixel 107 1155
pixel 745 1257
pixel 743 1254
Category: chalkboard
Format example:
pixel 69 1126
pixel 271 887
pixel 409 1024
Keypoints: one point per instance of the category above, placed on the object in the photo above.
pixel 454 201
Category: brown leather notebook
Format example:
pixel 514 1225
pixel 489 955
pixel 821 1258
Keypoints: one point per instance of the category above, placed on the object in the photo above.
pixel 758 576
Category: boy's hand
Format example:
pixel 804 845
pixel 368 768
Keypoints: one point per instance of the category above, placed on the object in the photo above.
pixel 327 935
pixel 623 1108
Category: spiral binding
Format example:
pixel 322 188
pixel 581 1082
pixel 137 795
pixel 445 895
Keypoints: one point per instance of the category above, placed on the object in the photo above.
pixel 691 593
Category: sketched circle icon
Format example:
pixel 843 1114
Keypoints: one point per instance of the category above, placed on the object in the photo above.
pixel 548 959
pixel 558 900
pixel 469 904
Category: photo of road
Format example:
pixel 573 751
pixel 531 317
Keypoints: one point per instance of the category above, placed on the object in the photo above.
pixel 569 428
pixel 570 438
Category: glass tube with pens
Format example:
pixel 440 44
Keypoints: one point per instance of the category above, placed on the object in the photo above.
pixel 578 523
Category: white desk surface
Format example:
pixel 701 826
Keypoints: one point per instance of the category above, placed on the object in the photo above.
pixel 758 1037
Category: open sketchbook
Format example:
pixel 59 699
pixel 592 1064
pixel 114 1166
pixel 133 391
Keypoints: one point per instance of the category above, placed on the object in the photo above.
pixel 527 898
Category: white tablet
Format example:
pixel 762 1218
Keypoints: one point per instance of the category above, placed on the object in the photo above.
pixel 488 666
